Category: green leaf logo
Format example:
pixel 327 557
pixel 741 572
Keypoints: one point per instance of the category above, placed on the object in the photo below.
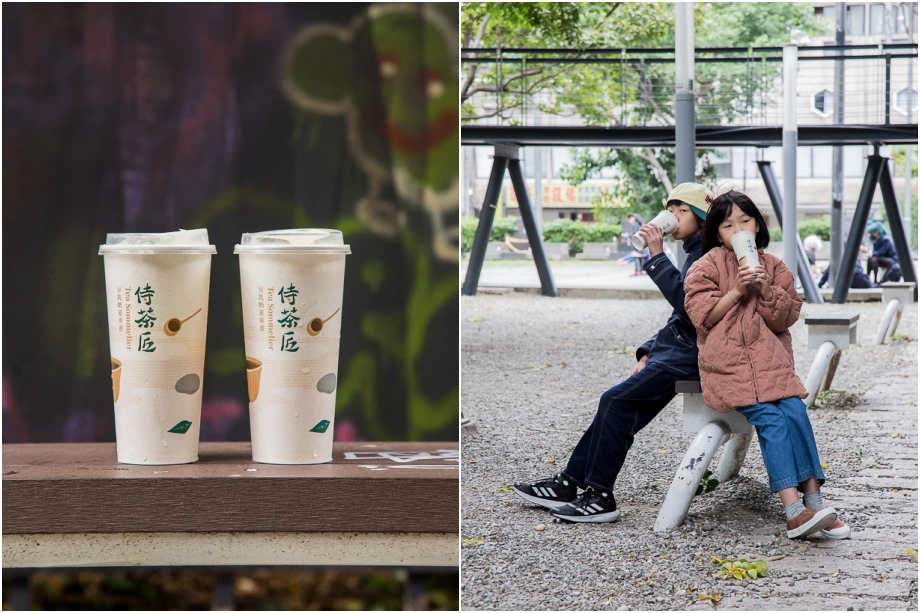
pixel 321 426
pixel 181 427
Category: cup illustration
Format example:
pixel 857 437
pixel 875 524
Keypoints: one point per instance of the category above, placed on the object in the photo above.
pixel 664 220
pixel 116 378
pixel 292 286
pixel 156 376
pixel 253 374
pixel 745 248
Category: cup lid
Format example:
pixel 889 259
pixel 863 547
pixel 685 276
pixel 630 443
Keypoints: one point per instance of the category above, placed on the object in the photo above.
pixel 296 240
pixel 182 241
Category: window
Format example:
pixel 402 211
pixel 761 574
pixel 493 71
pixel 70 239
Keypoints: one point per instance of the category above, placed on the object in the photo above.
pixel 827 12
pixel 905 101
pixel 822 103
pixel 856 19
pixel 876 19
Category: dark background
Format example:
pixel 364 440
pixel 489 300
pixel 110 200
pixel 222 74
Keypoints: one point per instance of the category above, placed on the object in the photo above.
pixel 151 118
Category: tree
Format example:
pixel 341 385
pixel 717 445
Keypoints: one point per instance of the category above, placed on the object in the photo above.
pixel 503 87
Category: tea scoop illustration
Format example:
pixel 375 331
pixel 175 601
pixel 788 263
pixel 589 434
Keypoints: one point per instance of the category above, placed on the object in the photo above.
pixel 173 326
pixel 316 324
pixel 253 374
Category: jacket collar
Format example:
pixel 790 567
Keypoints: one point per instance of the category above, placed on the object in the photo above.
pixel 693 242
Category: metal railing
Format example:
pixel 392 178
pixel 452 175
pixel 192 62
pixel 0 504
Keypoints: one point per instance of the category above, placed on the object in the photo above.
pixel 635 87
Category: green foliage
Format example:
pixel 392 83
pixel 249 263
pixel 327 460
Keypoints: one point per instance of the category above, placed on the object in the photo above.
pixel 819 226
pixel 501 229
pixel 468 227
pixel 741 569
pixel 577 233
pixel 643 171
pixel 707 484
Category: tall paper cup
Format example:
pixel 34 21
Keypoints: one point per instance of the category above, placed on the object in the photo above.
pixel 292 282
pixel 745 247
pixel 664 220
pixel 157 300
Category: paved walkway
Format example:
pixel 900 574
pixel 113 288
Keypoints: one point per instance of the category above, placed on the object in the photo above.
pixel 533 368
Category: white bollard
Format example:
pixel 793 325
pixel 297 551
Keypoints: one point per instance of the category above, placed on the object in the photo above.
pixel 689 474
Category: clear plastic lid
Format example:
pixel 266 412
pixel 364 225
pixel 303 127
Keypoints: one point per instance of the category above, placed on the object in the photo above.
pixel 182 241
pixel 301 240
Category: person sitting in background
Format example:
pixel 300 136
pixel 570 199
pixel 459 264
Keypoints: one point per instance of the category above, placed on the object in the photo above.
pixel 883 255
pixel 812 245
pixel 860 279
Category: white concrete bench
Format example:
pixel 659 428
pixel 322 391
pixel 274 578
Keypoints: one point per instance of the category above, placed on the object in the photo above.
pixel 713 430
pixel 895 295
pixel 830 334
pixel 597 251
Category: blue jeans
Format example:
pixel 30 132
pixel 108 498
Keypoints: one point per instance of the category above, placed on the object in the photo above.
pixel 787 442
pixel 623 410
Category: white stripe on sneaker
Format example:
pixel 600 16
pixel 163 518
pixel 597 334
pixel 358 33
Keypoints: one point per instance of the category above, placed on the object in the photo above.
pixel 597 507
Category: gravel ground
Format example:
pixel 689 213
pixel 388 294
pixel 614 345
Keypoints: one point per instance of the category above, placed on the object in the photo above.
pixel 533 369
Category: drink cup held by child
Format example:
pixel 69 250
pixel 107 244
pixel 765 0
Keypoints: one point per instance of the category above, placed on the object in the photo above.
pixel 664 220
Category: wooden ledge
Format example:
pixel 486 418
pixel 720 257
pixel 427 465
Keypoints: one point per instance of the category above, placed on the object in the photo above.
pixel 688 387
pixel 80 488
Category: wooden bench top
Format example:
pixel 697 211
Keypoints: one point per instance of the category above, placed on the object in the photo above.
pixel 67 488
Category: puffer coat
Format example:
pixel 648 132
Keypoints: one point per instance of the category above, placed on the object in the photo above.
pixel 746 357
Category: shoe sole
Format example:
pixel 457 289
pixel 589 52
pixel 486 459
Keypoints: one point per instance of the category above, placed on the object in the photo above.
pixel 837 534
pixel 597 518
pixel 822 519
pixel 542 502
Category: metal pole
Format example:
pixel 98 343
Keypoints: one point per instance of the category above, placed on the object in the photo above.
pixel 898 232
pixel 812 294
pixel 857 228
pixel 837 159
pixel 484 229
pixel 530 226
pixel 790 144
pixel 685 116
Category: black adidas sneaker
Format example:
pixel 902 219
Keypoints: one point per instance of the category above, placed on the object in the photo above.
pixel 591 507
pixel 550 493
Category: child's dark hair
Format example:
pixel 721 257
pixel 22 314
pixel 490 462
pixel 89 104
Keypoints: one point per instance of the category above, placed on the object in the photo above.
pixel 720 209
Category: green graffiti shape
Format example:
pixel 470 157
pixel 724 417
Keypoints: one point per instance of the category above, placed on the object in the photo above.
pixel 181 427
pixel 321 426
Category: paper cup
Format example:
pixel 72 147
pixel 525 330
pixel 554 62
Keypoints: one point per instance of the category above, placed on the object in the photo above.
pixel 157 301
pixel 745 247
pixel 664 220
pixel 292 285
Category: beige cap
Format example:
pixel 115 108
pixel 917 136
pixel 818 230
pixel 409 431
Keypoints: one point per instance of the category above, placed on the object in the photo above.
pixel 698 197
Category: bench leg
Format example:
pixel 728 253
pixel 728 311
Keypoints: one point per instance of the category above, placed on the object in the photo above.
pixel 732 458
pixel 820 372
pixel 889 321
pixel 688 477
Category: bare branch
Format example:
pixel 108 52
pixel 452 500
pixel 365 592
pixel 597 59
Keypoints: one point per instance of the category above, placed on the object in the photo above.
pixel 649 156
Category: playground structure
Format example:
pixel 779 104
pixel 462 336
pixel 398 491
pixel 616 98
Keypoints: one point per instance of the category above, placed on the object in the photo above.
pixel 869 123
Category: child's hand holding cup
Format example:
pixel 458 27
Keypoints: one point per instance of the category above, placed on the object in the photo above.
pixel 664 220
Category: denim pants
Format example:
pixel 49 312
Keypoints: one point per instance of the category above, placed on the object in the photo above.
pixel 623 410
pixel 787 442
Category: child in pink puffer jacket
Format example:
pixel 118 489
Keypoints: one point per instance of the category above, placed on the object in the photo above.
pixel 742 316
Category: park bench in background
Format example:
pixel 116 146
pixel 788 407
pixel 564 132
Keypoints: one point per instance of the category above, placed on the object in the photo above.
pixel 597 251
pixel 375 504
